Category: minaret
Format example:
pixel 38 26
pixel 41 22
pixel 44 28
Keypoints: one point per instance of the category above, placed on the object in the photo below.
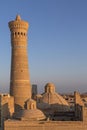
pixel 20 86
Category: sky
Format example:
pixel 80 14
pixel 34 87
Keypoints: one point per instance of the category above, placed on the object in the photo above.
pixel 57 42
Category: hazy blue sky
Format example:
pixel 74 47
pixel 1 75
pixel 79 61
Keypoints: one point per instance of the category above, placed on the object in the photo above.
pixel 57 42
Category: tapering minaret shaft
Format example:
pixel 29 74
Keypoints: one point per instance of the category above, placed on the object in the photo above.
pixel 20 81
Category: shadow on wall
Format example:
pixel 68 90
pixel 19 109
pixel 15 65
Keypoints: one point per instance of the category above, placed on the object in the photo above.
pixel 5 112
pixel 57 111
pixel 17 107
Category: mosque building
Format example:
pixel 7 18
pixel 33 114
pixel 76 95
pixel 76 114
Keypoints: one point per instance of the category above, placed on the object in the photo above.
pixel 23 108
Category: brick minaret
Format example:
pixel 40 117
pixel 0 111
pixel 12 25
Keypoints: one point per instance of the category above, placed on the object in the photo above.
pixel 20 86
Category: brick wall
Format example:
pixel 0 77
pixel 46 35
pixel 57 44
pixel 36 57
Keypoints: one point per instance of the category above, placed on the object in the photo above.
pixel 49 125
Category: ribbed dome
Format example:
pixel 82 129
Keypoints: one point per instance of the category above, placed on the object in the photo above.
pixel 51 97
pixel 54 98
pixel 51 100
pixel 49 88
pixel 32 114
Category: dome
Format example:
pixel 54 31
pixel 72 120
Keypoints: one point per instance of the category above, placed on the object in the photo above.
pixel 49 88
pixel 51 97
pixel 52 100
pixel 32 114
